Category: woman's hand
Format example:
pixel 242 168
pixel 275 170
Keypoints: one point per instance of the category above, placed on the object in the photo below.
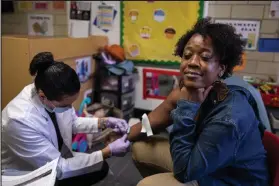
pixel 194 95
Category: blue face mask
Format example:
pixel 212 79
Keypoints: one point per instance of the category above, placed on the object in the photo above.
pixel 57 109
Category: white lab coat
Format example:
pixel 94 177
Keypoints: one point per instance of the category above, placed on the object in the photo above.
pixel 29 138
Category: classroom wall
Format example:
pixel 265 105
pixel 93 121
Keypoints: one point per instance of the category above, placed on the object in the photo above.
pixel 16 23
pixel 259 64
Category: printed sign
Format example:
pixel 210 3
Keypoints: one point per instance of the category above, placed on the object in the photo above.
pixel 249 31
pixel 105 17
pixel 40 24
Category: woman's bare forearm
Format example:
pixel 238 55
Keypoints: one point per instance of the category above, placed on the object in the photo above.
pixel 159 118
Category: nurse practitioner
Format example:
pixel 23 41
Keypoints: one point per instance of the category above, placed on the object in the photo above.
pixel 38 124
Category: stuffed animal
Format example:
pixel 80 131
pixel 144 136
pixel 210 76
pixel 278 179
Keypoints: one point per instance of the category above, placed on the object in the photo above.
pixel 80 142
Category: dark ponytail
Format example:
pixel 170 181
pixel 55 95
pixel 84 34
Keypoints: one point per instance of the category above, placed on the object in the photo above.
pixel 41 62
pixel 55 79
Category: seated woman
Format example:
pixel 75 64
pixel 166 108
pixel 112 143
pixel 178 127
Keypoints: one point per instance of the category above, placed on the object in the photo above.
pixel 216 137
pixel 263 114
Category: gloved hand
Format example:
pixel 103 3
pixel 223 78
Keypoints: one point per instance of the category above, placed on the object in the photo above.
pixel 118 125
pixel 120 146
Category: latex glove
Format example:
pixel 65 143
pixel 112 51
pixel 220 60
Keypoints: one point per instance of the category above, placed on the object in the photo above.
pixel 120 146
pixel 118 125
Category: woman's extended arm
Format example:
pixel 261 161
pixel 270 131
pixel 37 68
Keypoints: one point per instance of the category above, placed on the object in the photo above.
pixel 159 118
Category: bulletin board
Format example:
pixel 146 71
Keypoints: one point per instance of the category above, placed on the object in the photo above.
pixel 151 29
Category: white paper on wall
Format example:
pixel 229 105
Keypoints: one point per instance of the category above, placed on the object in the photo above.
pixel 40 24
pixel 83 68
pixel 249 31
pixel 113 34
pixel 79 28
pixel 274 9
pixel 105 17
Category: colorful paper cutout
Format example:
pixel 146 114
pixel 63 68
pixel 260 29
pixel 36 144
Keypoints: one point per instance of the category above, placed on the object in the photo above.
pixel 134 15
pixel 134 50
pixel 170 32
pixel 25 5
pixel 145 32
pixel 159 15
pixel 58 5
pixel 41 5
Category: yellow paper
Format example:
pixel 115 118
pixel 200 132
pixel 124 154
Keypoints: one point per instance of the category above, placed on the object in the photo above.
pixel 25 5
pixel 150 37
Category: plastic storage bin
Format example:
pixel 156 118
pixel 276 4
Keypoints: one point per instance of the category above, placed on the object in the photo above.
pixel 128 101
pixel 127 115
pixel 112 83
pixel 123 102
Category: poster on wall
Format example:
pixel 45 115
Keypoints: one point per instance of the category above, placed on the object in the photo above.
pixel 40 24
pixel 24 5
pixel 58 5
pixel 80 16
pixel 105 17
pixel 274 9
pixel 249 31
pixel 150 32
pixel 83 68
pixel 158 84
pixel 40 5
pixel 80 10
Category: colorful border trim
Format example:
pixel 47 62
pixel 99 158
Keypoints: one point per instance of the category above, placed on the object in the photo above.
pixel 153 62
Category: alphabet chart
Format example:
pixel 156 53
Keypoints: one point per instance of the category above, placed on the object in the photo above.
pixel 249 31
